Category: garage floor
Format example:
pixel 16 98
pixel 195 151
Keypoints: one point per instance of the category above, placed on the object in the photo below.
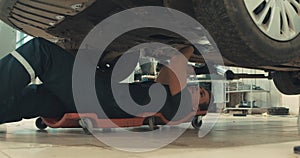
pixel 233 137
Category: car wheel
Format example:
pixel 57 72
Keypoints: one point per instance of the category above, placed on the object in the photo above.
pixel 39 123
pixel 253 32
pixel 287 82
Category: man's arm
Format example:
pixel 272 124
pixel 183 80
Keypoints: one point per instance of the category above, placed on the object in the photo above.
pixel 175 75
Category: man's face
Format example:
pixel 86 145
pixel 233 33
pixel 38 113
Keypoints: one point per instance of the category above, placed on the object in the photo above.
pixel 204 96
pixel 199 96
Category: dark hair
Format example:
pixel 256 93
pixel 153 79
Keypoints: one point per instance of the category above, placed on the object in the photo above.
pixel 205 107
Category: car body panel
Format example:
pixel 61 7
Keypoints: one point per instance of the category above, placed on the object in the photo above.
pixel 67 22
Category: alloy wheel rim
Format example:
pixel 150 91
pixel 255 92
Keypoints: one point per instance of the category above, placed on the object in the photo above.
pixel 278 19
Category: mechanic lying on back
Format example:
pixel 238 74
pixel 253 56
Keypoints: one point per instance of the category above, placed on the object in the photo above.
pixel 53 65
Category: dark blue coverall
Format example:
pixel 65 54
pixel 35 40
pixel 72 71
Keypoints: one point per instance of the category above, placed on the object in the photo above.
pixel 53 65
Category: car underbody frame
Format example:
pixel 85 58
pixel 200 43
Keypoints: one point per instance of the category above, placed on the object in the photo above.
pixel 68 22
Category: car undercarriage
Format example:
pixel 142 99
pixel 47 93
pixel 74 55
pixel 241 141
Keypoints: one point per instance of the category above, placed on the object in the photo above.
pixel 249 33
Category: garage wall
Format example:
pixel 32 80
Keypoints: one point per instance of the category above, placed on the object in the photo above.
pixel 7 38
pixel 292 102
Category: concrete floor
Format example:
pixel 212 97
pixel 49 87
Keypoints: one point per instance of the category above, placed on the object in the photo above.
pixel 232 137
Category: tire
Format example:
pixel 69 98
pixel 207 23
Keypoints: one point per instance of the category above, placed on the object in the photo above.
pixel 87 125
pixel 287 82
pixel 40 124
pixel 197 122
pixel 152 123
pixel 297 149
pixel 240 40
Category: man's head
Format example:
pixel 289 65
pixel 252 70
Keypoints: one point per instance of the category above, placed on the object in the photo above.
pixel 206 100
pixel 201 97
pixel 204 96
